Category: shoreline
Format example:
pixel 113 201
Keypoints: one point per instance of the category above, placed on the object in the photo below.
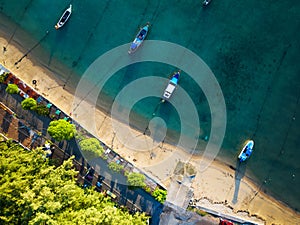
pixel 59 72
pixel 217 175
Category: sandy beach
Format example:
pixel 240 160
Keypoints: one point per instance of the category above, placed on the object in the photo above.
pixel 220 187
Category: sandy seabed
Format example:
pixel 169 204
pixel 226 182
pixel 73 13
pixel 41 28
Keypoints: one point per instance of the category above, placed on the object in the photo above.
pixel 218 187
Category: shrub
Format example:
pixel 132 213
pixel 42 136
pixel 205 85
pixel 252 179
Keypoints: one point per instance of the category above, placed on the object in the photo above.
pixel 28 103
pixel 198 211
pixel 147 189
pixel 12 89
pixel 115 167
pixel 79 136
pixel 160 195
pixel 41 110
pixel 136 179
pixel 3 77
pixel 61 130
pixel 201 212
pixel 91 148
pixel 103 156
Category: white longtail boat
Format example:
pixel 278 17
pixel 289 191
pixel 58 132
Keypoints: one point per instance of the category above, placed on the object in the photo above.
pixel 171 86
pixel 64 18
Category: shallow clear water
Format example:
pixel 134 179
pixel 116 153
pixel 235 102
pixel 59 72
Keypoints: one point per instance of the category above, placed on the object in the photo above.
pixel 251 47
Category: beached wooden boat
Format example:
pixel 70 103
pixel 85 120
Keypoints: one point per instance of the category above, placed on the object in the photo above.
pixel 246 151
pixel 138 40
pixel 206 2
pixel 171 86
pixel 64 18
pixel 225 222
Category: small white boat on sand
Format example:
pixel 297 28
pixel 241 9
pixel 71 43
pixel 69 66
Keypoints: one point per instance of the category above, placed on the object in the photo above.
pixel 246 151
pixel 171 86
pixel 64 18
pixel 140 37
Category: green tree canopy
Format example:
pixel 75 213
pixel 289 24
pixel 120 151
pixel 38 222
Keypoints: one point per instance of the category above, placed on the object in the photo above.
pixel 136 179
pixel 28 103
pixel 12 89
pixel 61 130
pixel 34 192
pixel 160 195
pixel 91 148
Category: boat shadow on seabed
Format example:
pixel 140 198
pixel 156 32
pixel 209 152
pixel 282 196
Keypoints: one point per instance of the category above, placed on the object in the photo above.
pixel 239 174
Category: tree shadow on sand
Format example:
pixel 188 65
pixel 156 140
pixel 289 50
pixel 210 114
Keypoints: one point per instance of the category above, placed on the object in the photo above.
pixel 239 174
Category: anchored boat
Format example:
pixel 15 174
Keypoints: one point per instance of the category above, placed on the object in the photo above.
pixel 206 2
pixel 246 151
pixel 64 18
pixel 171 86
pixel 140 37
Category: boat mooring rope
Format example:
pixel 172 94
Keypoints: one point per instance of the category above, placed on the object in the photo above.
pixel 16 27
pixel 75 63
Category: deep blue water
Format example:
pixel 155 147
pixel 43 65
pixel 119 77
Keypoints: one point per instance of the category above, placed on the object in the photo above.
pixel 251 47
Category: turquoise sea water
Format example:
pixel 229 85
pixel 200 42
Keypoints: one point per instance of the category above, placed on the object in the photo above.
pixel 251 47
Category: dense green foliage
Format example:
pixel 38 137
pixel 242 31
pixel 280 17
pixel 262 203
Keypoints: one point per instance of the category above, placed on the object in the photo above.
pixel 91 148
pixel 12 89
pixel 160 195
pixel 136 179
pixel 33 192
pixel 80 135
pixel 115 167
pixel 31 104
pixel 41 110
pixel 61 130
pixel 28 103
